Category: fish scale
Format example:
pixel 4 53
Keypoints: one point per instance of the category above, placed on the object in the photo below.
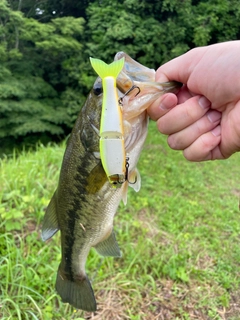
pixel 85 202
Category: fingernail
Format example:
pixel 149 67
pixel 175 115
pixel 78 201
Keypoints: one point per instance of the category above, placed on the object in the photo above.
pixel 216 131
pixel 204 102
pixel 163 106
pixel 214 116
pixel 167 106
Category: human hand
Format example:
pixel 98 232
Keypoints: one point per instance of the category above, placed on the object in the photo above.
pixel 203 119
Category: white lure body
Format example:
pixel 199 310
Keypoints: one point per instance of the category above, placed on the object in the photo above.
pixel 112 149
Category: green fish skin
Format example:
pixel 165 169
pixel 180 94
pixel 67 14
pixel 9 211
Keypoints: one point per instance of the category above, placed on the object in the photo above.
pixel 85 203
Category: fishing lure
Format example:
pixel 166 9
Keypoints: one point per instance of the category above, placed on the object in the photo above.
pixel 112 149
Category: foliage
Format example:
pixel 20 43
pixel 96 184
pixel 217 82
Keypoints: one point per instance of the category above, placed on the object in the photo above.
pixel 155 31
pixel 34 74
pixel 45 47
pixel 179 237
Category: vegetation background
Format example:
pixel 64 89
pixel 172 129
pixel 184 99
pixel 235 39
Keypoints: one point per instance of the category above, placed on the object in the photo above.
pixel 180 234
pixel 45 46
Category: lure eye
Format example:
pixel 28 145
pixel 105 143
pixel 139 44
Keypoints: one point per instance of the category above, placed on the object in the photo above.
pixel 97 89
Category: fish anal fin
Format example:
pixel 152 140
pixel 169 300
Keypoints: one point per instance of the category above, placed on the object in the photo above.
pixel 134 181
pixel 78 293
pixel 50 221
pixel 124 192
pixel 109 247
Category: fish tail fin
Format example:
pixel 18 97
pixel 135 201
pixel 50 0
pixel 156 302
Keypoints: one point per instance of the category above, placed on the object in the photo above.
pixel 107 70
pixel 78 293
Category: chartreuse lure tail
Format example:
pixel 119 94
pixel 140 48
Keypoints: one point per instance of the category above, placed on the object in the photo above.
pixel 112 150
pixel 107 70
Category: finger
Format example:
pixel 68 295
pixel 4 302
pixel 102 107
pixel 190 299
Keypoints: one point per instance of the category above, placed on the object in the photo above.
pixel 184 94
pixel 180 68
pixel 206 147
pixel 160 76
pixel 183 115
pixel 162 105
pixel 184 138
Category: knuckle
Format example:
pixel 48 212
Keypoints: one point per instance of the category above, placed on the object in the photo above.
pixel 207 142
pixel 199 127
pixel 190 156
pixel 190 112
pixel 162 126
pixel 201 149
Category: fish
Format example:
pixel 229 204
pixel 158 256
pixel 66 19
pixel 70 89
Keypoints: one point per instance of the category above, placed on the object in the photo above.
pixel 85 201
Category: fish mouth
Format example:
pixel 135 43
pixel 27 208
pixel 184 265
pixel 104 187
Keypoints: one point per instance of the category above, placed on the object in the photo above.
pixel 170 86
pixel 135 70
pixel 135 75
pixel 137 87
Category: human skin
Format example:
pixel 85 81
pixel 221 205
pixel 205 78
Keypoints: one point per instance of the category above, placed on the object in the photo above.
pixel 203 119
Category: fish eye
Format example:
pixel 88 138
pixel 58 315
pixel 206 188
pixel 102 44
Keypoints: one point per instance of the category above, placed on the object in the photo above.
pixel 97 89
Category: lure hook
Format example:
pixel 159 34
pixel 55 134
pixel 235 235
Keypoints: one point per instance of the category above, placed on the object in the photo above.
pixel 127 166
pixel 120 100
pixel 126 174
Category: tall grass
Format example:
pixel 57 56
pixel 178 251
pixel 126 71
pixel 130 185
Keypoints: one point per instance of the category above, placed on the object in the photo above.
pixel 179 237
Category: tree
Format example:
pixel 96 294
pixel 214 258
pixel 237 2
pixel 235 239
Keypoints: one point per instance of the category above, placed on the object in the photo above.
pixel 35 75
pixel 45 46
pixel 155 31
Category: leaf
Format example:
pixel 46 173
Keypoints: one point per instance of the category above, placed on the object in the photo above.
pixel 12 225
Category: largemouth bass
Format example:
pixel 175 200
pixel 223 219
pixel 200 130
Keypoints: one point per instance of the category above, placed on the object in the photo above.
pixel 85 202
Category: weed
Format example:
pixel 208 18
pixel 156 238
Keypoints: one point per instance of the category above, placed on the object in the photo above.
pixel 179 237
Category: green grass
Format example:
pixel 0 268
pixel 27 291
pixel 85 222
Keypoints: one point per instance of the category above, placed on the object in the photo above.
pixel 180 238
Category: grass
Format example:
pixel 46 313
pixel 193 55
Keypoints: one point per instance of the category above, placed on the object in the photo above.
pixel 180 238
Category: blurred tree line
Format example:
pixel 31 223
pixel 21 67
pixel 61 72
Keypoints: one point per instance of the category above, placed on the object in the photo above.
pixel 45 46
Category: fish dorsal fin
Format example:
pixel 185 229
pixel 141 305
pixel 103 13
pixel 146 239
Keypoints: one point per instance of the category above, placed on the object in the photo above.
pixel 109 247
pixel 50 221
pixel 107 70
pixel 135 176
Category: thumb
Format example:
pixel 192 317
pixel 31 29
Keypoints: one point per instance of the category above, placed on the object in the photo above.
pixel 180 68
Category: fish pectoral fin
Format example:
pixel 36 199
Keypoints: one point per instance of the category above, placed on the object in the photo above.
pixel 134 180
pixel 50 221
pixel 78 293
pixel 96 179
pixel 109 247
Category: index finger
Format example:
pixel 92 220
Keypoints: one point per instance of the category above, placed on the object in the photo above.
pixel 180 68
pixel 162 105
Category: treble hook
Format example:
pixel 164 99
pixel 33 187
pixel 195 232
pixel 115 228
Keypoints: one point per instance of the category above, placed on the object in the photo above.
pixel 127 166
pixel 120 100
pixel 126 174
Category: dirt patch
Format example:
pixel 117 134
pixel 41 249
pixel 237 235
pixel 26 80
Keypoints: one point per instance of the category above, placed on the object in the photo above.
pixel 233 312
pixel 173 301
